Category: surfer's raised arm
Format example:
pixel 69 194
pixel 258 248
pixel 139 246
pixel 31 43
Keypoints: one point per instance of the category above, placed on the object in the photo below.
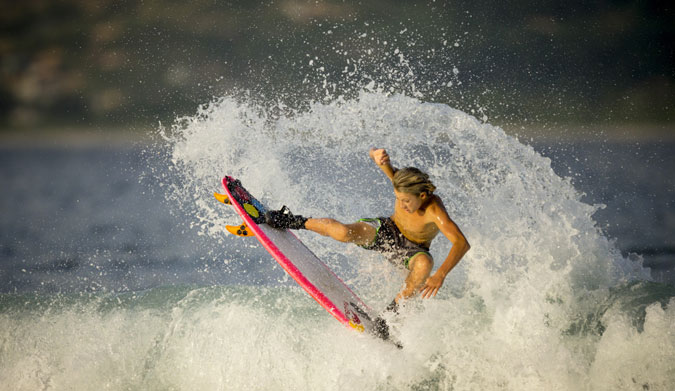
pixel 381 158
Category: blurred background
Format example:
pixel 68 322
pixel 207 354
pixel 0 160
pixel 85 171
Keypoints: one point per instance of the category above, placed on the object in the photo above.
pixel 131 63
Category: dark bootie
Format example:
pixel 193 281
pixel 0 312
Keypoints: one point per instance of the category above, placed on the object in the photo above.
pixel 393 307
pixel 284 219
pixel 381 328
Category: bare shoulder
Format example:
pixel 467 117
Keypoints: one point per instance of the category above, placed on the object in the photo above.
pixel 437 212
pixel 436 206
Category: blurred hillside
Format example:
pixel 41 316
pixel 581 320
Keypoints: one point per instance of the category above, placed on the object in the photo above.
pixel 117 62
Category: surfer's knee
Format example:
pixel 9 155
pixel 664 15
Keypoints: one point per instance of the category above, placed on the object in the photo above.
pixel 421 263
pixel 353 233
pixel 359 233
pixel 420 268
pixel 329 227
pixel 341 232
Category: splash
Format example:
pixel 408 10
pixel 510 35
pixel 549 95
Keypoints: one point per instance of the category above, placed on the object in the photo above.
pixel 527 308
pixel 542 301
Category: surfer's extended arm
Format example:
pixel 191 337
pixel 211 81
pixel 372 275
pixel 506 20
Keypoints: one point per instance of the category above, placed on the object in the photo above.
pixel 459 247
pixel 381 158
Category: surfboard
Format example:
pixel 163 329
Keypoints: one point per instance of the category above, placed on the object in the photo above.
pixel 314 276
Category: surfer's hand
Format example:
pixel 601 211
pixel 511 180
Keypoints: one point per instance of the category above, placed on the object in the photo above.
pixel 379 156
pixel 432 286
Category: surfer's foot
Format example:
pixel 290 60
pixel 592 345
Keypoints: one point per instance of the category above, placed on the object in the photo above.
pixel 392 307
pixel 381 328
pixel 284 219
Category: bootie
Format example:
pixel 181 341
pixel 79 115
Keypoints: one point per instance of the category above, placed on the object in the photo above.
pixel 284 219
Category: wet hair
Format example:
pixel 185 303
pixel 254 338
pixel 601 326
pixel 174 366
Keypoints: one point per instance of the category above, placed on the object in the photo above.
pixel 412 181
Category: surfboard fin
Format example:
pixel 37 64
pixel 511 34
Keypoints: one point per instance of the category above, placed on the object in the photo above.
pixel 239 230
pixel 222 198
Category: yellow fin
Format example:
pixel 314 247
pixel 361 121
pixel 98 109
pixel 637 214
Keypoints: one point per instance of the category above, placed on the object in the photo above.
pixel 222 198
pixel 251 210
pixel 239 230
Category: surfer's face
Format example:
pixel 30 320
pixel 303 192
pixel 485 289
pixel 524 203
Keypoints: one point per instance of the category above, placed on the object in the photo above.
pixel 410 202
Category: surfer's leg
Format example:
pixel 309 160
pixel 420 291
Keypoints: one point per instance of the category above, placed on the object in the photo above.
pixel 359 233
pixel 420 268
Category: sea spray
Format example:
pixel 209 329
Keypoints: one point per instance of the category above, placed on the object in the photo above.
pixel 507 315
pixel 542 301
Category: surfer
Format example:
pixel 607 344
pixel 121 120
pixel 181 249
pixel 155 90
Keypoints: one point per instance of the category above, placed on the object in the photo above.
pixel 404 238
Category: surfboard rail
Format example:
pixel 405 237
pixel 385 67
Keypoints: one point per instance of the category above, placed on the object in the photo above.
pixel 313 275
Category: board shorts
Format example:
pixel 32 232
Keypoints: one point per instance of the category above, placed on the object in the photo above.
pixel 391 243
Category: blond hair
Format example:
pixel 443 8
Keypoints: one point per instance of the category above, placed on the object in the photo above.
pixel 412 181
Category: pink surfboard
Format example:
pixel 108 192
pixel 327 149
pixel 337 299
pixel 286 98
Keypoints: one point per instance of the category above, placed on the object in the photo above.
pixel 305 267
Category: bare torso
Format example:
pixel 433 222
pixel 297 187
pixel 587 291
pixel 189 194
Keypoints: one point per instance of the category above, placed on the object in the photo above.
pixel 419 226
pixel 421 223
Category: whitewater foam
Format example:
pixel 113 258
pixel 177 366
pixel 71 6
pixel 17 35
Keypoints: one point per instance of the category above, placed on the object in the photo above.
pixel 542 301
pixel 538 261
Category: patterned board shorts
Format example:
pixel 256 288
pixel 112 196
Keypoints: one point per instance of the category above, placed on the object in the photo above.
pixel 391 243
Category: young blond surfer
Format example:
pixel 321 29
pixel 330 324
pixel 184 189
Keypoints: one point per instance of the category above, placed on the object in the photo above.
pixel 404 238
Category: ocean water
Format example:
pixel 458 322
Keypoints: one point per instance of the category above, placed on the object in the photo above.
pixel 116 271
